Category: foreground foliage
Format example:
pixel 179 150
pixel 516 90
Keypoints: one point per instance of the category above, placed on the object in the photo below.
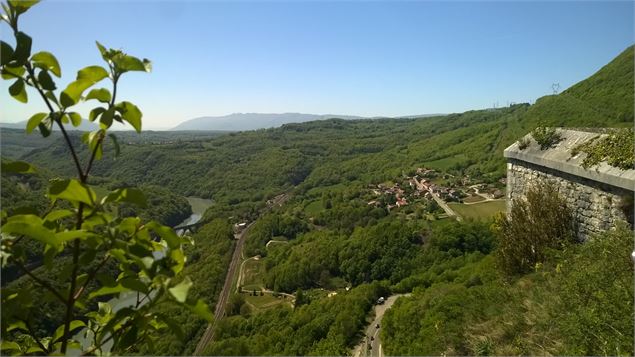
pixel 616 149
pixel 580 302
pixel 88 252
pixel 537 223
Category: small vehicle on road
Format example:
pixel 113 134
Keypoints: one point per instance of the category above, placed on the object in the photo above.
pixel 381 300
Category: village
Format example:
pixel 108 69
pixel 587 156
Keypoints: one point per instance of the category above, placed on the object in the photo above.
pixel 433 190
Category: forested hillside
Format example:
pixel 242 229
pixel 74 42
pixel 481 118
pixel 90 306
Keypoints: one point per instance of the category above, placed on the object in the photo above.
pixel 338 247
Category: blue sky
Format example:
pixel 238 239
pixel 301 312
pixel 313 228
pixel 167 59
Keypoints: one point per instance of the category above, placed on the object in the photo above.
pixel 358 58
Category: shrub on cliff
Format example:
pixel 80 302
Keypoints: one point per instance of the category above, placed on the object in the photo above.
pixel 540 222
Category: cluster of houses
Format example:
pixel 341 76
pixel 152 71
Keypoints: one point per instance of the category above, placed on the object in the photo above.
pixel 395 190
pixel 420 186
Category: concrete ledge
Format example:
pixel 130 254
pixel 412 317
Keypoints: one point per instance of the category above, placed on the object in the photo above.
pixel 559 158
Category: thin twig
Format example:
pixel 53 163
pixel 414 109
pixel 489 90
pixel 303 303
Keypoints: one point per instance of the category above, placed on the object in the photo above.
pixel 92 158
pixel 71 296
pixel 43 283
pixel 91 275
pixel 37 340
pixel 110 337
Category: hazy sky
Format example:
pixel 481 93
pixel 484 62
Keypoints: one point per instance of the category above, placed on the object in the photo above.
pixel 359 58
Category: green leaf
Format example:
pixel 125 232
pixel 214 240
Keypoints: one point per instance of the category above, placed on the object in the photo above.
pixel 101 94
pixel 17 167
pixel 29 225
pixel 179 258
pixel 21 6
pixel 47 61
pixel 22 48
pixel 95 113
pixel 6 53
pixel 72 190
pixel 135 284
pixel 34 121
pixel 18 325
pixel 115 142
pixel 45 80
pixel 102 50
pixel 167 233
pixel 124 63
pixel 127 339
pixel 131 195
pixel 179 292
pixel 76 119
pixel 59 332
pixel 86 77
pixel 9 72
pixel 34 349
pixel 201 309
pixel 57 215
pixel 72 235
pixel 45 127
pixel 107 290
pixel 105 121
pixel 9 346
pixel 18 91
pixel 95 138
pixel 51 96
pixel 130 113
pixel 92 73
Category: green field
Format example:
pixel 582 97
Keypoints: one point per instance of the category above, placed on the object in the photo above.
pixel 313 208
pixel 446 163
pixel 254 271
pixel 264 302
pixel 478 211
pixel 473 199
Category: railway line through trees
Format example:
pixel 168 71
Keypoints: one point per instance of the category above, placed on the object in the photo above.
pixel 219 311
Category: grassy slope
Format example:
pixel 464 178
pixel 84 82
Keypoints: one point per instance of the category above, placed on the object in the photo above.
pixel 483 210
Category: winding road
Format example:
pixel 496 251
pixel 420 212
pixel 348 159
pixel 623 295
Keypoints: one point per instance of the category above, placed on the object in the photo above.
pixel 372 347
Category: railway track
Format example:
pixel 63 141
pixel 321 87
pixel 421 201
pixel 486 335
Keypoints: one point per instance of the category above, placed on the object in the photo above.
pixel 219 312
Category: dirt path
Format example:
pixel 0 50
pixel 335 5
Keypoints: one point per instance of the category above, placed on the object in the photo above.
pixel 372 347
pixel 271 241
pixel 241 272
pixel 485 200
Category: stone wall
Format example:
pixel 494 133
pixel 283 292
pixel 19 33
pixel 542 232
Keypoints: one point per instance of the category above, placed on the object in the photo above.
pixel 596 205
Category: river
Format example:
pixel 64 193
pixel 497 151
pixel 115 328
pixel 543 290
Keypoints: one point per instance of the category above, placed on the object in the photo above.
pixel 199 205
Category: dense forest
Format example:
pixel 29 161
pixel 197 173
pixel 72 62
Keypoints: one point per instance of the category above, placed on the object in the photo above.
pixel 329 239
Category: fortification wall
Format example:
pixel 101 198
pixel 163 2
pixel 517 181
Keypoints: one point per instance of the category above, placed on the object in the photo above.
pixel 596 205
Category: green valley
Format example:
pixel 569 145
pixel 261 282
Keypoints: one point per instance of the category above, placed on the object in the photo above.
pixel 444 234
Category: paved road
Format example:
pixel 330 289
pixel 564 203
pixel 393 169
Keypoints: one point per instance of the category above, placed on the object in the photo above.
pixel 447 208
pixel 219 312
pixel 441 202
pixel 363 350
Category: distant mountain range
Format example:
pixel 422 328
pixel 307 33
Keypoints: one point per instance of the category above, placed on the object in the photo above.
pixel 252 121
pixel 84 126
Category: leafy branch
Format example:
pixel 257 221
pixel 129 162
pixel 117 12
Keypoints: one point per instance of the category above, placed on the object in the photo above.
pixel 149 255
